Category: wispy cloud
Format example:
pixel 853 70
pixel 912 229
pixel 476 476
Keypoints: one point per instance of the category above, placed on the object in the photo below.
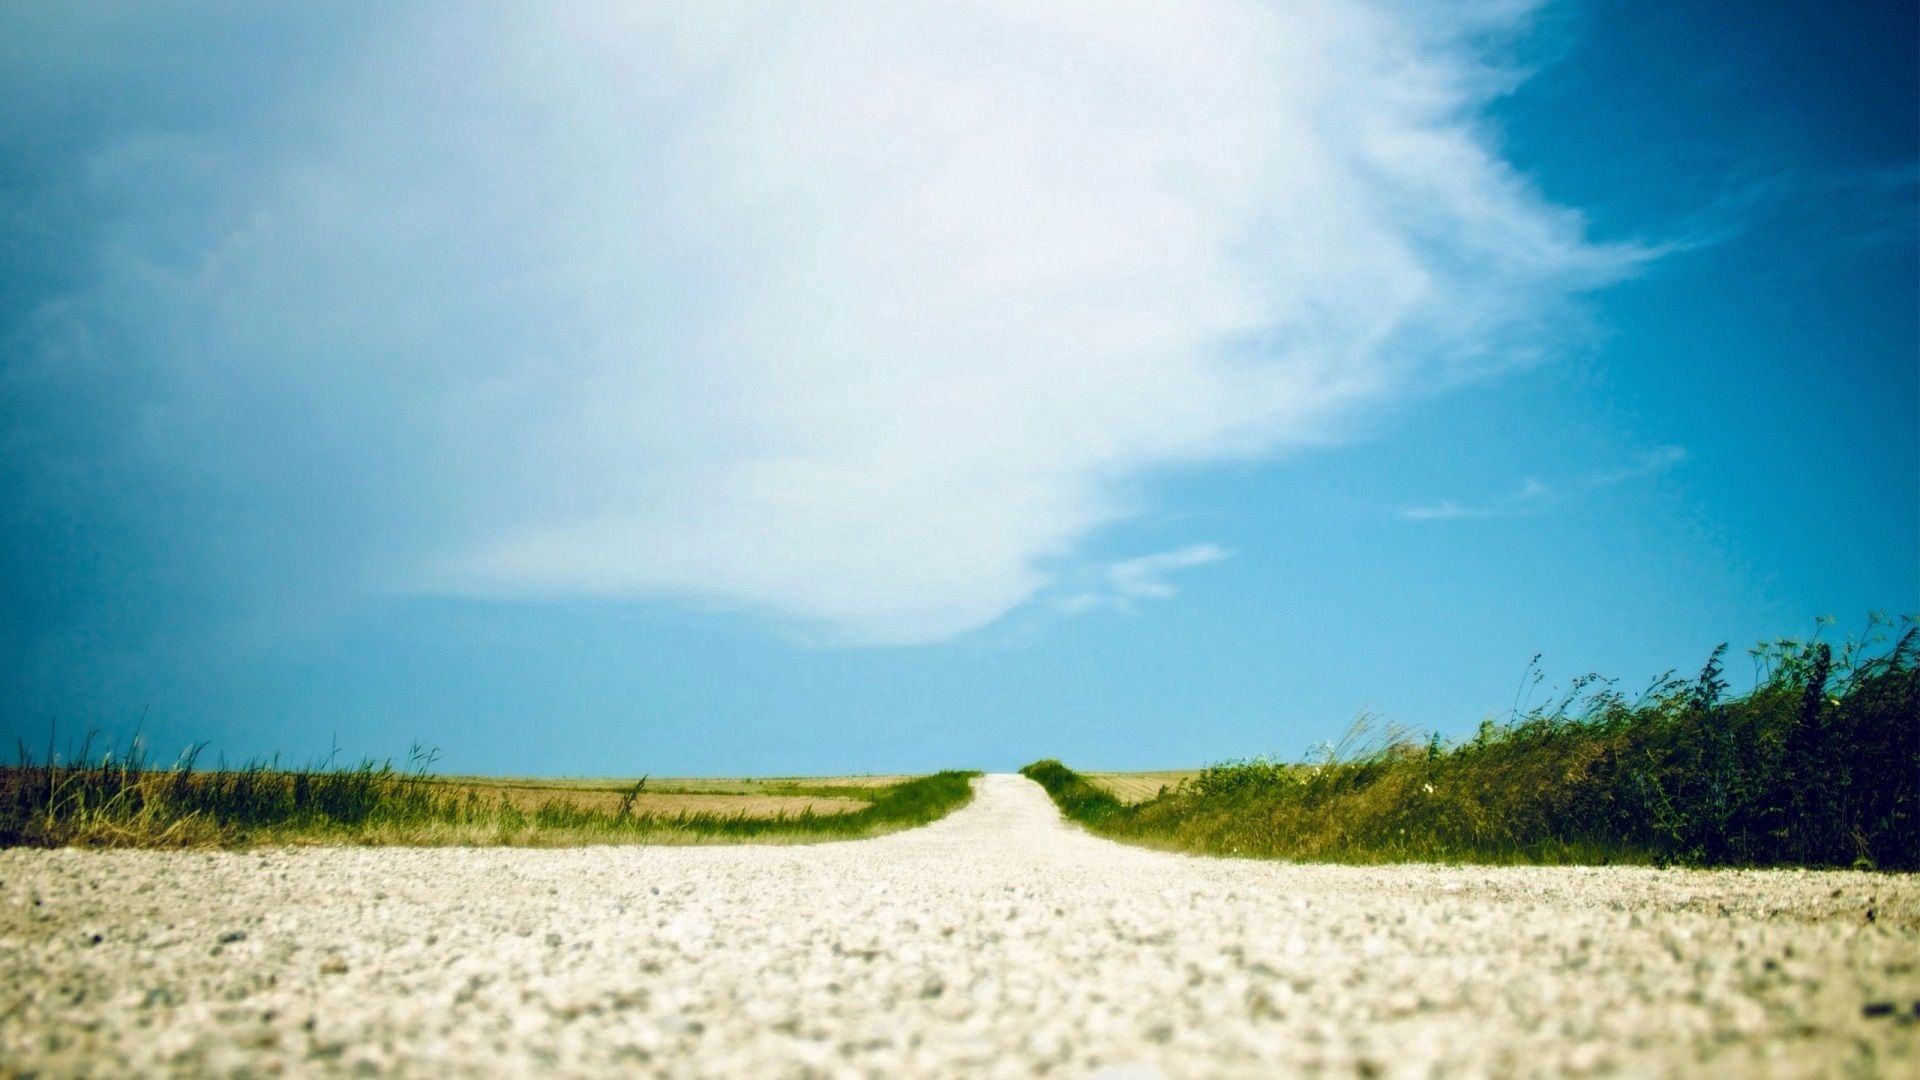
pixel 1652 463
pixel 1448 510
pixel 1858 208
pixel 861 316
pixel 1534 495
pixel 1123 584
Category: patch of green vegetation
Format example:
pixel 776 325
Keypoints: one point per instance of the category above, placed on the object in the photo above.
pixel 905 805
pixel 1080 799
pixel 1817 766
pixel 121 802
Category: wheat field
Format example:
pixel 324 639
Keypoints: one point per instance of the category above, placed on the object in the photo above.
pixel 1138 787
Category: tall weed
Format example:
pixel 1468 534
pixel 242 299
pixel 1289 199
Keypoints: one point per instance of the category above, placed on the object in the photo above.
pixel 1819 765
pixel 119 800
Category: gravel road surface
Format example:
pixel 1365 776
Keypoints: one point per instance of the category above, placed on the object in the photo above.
pixel 998 942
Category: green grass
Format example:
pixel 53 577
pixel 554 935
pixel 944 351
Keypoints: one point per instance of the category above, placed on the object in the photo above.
pixel 119 801
pixel 1818 766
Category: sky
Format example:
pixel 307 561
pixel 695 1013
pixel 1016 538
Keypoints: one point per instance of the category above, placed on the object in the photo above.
pixel 819 388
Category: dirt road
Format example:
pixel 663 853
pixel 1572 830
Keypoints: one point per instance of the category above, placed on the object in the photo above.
pixel 998 942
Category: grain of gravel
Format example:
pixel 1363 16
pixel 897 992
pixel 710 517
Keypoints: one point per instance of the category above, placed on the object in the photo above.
pixel 997 942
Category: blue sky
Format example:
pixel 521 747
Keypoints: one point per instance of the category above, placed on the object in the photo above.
pixel 861 388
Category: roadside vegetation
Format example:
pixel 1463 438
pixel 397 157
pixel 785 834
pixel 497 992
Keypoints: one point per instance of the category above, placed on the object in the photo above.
pixel 118 800
pixel 1818 766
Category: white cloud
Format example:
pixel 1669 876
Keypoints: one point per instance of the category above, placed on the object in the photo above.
pixel 1534 494
pixel 1146 576
pixel 1119 586
pixel 1445 510
pixel 1652 463
pixel 860 315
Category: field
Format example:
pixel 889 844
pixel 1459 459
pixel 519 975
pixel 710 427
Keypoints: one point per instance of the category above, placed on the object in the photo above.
pixel 751 797
pixel 692 785
pixel 1138 787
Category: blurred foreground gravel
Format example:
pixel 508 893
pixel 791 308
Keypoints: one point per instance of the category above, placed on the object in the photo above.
pixel 998 942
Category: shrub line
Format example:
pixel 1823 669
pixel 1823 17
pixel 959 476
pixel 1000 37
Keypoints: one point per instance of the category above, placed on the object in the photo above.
pixel 122 802
pixel 1818 766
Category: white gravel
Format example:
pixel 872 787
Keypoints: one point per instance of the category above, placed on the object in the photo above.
pixel 998 942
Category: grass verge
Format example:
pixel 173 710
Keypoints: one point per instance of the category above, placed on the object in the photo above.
pixel 121 802
pixel 1817 766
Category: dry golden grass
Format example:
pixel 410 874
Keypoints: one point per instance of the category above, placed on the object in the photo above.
pixel 1138 787
pixel 688 785
pixel 531 796
pixel 763 784
pixel 752 797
